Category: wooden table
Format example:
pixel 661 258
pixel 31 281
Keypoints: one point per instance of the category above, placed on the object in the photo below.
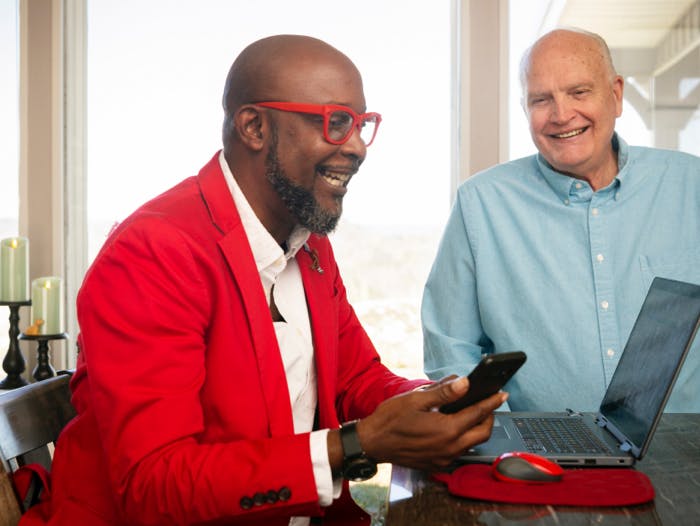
pixel 672 464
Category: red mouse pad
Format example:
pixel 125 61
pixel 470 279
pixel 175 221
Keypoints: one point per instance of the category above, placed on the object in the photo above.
pixel 578 487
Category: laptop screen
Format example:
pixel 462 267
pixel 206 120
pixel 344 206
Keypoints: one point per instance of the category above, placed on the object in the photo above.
pixel 650 363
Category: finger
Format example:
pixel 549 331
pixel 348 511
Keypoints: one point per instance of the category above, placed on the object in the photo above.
pixel 437 384
pixel 495 401
pixel 447 390
pixel 477 413
pixel 477 434
pixel 463 442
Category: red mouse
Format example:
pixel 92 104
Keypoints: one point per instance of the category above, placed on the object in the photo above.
pixel 526 468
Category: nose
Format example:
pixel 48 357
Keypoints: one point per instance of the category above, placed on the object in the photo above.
pixel 562 110
pixel 355 146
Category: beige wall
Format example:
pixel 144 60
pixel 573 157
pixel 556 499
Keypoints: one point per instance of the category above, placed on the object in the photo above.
pixel 52 99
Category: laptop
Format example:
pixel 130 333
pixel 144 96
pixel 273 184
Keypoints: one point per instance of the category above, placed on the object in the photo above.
pixel 621 431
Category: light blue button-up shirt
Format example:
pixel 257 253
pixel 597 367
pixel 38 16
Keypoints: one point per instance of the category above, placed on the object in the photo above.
pixel 534 260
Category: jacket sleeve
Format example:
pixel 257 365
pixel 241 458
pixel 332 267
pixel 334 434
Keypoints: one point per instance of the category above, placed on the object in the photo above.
pixel 363 381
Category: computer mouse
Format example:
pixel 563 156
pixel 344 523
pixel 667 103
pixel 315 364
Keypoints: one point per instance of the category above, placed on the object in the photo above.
pixel 526 468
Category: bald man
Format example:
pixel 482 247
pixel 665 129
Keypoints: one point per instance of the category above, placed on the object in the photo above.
pixel 553 254
pixel 218 353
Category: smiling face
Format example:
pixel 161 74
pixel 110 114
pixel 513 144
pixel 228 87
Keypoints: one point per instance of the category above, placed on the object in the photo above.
pixel 572 98
pixel 302 202
pixel 287 170
pixel 309 174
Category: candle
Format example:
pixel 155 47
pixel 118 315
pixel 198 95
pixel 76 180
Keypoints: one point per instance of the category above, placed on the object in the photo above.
pixel 14 269
pixel 47 306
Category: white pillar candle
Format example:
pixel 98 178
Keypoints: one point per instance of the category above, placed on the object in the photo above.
pixel 14 269
pixel 47 305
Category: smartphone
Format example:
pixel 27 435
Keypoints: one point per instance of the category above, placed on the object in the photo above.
pixel 487 378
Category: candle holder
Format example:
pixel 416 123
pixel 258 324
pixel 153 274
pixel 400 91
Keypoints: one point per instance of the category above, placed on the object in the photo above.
pixel 13 363
pixel 43 369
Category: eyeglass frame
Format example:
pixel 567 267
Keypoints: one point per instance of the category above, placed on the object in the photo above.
pixel 326 110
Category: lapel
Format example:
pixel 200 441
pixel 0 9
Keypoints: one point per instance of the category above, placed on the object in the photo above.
pixel 239 258
pixel 323 327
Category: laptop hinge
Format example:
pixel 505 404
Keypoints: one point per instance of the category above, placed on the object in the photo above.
pixel 626 446
pixel 624 443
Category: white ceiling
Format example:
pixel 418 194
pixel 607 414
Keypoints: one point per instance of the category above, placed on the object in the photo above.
pixel 623 23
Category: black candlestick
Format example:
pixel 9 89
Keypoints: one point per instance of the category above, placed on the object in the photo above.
pixel 43 369
pixel 14 363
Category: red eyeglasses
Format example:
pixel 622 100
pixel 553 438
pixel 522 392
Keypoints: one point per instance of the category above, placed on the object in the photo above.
pixel 338 121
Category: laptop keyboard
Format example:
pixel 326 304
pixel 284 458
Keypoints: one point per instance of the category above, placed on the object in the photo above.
pixel 558 435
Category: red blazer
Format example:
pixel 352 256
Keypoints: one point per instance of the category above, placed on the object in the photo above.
pixel 183 408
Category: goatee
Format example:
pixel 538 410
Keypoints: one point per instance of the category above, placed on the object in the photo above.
pixel 299 201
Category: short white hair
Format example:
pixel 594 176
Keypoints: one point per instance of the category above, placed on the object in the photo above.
pixel 602 45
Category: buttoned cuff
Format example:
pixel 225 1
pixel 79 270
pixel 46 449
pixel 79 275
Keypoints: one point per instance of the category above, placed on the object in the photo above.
pixel 327 487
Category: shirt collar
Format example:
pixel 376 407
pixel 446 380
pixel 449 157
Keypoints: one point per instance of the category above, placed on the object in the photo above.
pixel 265 249
pixel 564 185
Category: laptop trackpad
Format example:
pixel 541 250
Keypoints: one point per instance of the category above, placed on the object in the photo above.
pixel 499 431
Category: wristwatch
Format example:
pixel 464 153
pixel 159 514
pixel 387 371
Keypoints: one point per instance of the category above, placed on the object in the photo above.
pixel 356 464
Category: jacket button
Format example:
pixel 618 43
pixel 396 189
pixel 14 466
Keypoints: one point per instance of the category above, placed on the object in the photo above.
pixel 285 493
pixel 259 499
pixel 246 503
pixel 272 496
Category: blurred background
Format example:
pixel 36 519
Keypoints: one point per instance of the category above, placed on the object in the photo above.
pixel 105 104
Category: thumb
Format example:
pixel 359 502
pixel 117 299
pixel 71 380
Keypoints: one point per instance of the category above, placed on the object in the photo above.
pixel 446 392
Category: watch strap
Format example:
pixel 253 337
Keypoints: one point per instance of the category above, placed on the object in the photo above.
pixel 350 441
pixel 357 465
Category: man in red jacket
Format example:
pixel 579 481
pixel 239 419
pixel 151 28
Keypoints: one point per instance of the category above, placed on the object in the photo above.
pixel 222 371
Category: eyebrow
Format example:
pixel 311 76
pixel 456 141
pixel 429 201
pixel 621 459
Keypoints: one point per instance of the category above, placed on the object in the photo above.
pixel 581 85
pixel 572 87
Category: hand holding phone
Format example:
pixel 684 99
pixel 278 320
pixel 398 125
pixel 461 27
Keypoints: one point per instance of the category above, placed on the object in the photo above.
pixel 487 378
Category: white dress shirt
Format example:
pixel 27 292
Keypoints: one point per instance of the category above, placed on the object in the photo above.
pixel 280 277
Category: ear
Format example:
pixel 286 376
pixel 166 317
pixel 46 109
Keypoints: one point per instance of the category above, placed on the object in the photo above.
pixel 249 122
pixel 618 88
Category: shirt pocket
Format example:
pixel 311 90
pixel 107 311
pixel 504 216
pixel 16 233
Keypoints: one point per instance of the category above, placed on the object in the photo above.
pixel 683 265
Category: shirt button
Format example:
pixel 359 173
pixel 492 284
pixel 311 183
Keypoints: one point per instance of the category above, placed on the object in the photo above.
pixel 610 353
pixel 246 503
pixel 566 201
pixel 259 499
pixel 594 211
pixel 578 186
pixel 604 304
pixel 599 258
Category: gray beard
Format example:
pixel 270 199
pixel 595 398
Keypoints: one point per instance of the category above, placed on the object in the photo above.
pixel 299 201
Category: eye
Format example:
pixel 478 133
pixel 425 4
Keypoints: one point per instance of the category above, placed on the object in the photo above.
pixel 340 119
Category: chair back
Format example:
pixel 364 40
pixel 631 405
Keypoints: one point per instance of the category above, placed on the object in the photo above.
pixel 31 418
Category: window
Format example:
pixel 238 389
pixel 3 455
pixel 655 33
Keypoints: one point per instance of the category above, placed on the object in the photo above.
pixel 156 72
pixel 9 120
pixel 9 139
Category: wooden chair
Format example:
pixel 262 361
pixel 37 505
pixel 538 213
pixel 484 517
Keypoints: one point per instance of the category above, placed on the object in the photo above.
pixel 31 418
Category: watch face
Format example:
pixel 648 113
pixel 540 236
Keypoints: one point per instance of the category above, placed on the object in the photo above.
pixel 360 469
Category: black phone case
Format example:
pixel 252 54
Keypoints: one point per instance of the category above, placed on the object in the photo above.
pixel 487 378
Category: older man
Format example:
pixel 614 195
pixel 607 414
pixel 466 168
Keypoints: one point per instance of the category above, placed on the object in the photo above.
pixel 218 352
pixel 553 254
